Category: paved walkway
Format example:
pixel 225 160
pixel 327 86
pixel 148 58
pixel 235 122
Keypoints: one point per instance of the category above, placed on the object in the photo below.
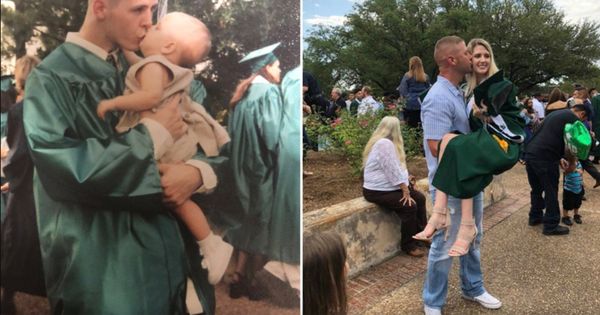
pixel 531 273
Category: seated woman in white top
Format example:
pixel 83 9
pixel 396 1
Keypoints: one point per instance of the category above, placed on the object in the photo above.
pixel 386 182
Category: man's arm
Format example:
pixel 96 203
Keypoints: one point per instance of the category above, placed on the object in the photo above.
pixel 78 158
pixel 433 147
pixel 151 78
pixel 437 121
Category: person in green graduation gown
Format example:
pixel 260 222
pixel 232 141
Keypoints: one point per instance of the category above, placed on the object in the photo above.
pixel 254 125
pixel 468 162
pixel 109 243
pixel 284 227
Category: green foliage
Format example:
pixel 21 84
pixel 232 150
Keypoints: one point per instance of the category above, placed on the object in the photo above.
pixel 349 134
pixel 532 41
pixel 237 27
pixel 50 19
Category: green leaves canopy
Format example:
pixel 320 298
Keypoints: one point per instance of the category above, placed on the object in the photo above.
pixel 531 40
pixel 237 27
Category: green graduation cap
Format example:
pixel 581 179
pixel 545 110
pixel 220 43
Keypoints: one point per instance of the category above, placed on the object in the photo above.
pixel 260 57
pixel 578 139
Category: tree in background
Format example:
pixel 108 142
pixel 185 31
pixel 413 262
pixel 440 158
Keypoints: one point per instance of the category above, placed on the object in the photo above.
pixel 237 27
pixel 531 41
pixel 50 19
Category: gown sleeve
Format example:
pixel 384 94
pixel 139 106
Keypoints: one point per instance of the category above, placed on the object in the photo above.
pixel 78 156
pixel 269 118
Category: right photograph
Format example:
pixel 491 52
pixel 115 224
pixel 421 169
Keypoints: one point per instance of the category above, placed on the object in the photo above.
pixel 450 131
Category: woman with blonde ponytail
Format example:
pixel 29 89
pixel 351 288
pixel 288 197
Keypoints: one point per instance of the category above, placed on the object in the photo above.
pixel 388 184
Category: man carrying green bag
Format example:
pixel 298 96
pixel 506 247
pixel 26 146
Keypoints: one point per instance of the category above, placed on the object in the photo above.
pixel 560 130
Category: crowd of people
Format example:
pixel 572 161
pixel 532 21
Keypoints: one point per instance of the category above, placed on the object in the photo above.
pixel 117 176
pixel 474 127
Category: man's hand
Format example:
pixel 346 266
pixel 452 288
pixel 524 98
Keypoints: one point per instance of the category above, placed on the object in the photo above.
pixel 5 187
pixel 169 116
pixel 179 182
pixel 104 107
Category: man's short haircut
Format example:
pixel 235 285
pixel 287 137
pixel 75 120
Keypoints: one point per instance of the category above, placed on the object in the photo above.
pixel 442 45
pixel 582 108
pixel 338 91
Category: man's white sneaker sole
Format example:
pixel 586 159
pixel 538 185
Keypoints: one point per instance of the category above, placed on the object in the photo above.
pixel 492 306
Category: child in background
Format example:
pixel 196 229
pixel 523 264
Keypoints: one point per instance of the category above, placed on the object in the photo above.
pixel 178 40
pixel 325 270
pixel 572 188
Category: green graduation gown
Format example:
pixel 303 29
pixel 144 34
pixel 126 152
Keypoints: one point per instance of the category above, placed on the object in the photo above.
pixel 254 126
pixel 285 222
pixel 470 161
pixel 109 246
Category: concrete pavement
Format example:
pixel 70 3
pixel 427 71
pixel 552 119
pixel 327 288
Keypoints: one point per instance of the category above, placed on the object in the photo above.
pixel 529 272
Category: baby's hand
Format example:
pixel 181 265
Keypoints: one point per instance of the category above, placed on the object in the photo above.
pixel 104 107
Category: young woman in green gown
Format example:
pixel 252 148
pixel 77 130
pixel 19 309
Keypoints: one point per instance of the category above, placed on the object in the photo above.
pixel 254 126
pixel 467 162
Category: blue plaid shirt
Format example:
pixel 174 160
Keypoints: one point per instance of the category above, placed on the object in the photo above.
pixel 443 110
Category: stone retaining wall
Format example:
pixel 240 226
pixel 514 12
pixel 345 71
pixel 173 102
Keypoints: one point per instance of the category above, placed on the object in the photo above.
pixel 372 234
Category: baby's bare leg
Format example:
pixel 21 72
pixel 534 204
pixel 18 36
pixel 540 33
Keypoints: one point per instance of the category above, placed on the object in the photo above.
pixel 193 217
pixel 216 252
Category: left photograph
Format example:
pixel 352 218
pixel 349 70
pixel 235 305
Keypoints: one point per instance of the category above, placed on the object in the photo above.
pixel 151 157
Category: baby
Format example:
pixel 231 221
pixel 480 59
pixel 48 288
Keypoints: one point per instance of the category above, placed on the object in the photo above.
pixel 178 41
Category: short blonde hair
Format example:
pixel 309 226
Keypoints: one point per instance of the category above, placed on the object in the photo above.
pixel 442 45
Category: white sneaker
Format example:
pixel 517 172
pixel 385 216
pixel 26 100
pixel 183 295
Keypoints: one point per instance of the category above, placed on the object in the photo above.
pixel 486 300
pixel 216 254
pixel 431 311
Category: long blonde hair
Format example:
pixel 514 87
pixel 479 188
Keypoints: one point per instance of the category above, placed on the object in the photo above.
pixel 415 69
pixel 389 128
pixel 470 77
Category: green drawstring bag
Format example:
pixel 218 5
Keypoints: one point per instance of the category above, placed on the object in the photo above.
pixel 578 139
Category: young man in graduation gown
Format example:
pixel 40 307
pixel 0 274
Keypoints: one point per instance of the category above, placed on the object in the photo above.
pixel 109 242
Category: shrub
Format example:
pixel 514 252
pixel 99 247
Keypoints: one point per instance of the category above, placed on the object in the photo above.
pixel 349 134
